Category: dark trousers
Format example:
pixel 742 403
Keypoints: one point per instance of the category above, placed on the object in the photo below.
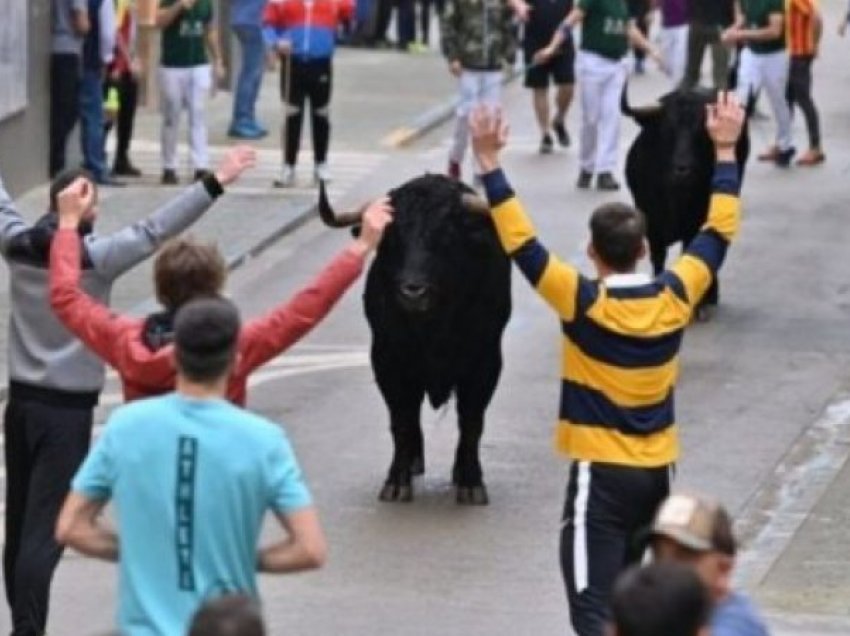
pixel 384 12
pixel 800 93
pixel 91 122
pixel 699 37
pixel 405 22
pixel 128 94
pixel 45 446
pixel 308 80
pixel 425 17
pixel 607 511
pixel 65 71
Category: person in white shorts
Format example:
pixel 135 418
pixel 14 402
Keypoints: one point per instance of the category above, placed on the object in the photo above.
pixel 189 40
pixel 759 26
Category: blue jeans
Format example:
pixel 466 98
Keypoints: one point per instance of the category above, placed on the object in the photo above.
pixel 250 75
pixel 91 123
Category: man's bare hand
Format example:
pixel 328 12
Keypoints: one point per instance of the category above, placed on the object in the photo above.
pixel 489 136
pixel 237 160
pixel 455 68
pixel 724 122
pixel 544 55
pixel 75 202
pixel 376 218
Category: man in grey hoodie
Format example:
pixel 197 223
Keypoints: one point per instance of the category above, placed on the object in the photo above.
pixel 54 381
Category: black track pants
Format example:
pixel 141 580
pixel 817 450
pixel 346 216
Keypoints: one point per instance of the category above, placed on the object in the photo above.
pixel 65 72
pixel 800 93
pixel 308 80
pixel 607 511
pixel 128 94
pixel 45 446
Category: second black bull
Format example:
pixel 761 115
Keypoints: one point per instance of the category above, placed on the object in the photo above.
pixel 437 301
pixel 669 168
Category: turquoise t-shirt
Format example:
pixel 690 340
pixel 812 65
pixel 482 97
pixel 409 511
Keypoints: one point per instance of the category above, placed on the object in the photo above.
pixel 191 481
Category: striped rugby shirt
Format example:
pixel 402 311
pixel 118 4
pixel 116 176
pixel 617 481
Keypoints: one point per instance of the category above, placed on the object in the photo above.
pixel 620 344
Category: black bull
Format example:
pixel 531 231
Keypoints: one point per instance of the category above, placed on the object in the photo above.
pixel 669 169
pixel 437 301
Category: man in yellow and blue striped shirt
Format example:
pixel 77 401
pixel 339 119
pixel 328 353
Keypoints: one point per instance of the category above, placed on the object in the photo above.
pixel 621 339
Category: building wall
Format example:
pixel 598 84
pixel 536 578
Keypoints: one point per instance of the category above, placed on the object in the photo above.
pixel 24 136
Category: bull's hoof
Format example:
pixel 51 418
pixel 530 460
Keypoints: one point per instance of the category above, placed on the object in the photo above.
pixel 417 466
pixel 472 496
pixel 396 492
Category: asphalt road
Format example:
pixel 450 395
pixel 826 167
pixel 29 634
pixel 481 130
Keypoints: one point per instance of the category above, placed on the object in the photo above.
pixel 756 382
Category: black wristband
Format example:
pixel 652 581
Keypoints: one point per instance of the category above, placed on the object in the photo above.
pixel 212 185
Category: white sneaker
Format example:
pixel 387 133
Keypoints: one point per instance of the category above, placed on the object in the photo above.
pixel 321 173
pixel 287 177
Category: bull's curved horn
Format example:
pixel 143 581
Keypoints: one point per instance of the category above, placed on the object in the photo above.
pixel 330 218
pixel 640 114
pixel 475 203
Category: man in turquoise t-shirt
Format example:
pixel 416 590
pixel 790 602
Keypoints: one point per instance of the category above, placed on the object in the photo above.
pixel 191 477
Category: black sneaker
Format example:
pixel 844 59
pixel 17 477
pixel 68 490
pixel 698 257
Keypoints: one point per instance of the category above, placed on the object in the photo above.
pixel 606 181
pixel 169 177
pixel 584 179
pixel 783 157
pixel 125 169
pixel 546 144
pixel 561 133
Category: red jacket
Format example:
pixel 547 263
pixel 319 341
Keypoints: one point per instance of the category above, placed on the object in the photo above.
pixel 144 372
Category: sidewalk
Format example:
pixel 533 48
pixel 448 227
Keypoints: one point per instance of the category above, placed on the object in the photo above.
pixel 376 94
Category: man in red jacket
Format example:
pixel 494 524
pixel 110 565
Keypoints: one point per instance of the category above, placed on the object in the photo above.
pixel 140 349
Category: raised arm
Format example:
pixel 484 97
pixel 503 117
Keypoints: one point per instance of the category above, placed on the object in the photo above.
pixel 266 337
pixel 555 281
pixel 114 254
pixel 704 256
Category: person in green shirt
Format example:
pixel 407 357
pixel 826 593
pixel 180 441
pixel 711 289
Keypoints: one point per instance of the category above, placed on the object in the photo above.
pixel 189 43
pixel 607 29
pixel 760 27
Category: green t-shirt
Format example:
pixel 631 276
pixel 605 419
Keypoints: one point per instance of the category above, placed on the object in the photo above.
pixel 604 27
pixel 756 14
pixel 183 41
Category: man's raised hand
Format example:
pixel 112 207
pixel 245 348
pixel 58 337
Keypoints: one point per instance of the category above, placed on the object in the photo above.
pixel 376 218
pixel 237 160
pixel 74 202
pixel 489 136
pixel 725 120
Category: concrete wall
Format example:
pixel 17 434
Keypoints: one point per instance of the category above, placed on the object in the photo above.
pixel 24 136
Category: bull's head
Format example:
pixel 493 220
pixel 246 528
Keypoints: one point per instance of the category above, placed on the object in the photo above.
pixel 428 252
pixel 676 124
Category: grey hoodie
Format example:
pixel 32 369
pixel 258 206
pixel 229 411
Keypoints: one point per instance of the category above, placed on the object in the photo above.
pixel 45 360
